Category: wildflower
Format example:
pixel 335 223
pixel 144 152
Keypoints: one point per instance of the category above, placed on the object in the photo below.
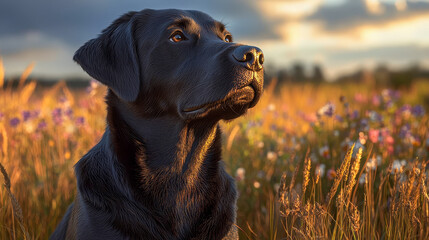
pixel 29 127
pixel 271 107
pixel 260 174
pixel 327 110
pixel 360 98
pixel 260 144
pixel 272 156
pixel 354 115
pixel 57 115
pixel 373 135
pixel 26 115
pixel 362 178
pixel 240 174
pixel 331 174
pixel 324 151
pixel 70 128
pixel 42 125
pixel 69 112
pixel 67 155
pixel 418 111
pixel 362 138
pixel 371 164
pixel 376 100
pixel 256 184
pixel 364 123
pixel 374 116
pixel 80 121
pixel 93 85
pixel 339 118
pixel 378 160
pixel 405 110
pixel 397 165
pixel 320 170
pixel 14 122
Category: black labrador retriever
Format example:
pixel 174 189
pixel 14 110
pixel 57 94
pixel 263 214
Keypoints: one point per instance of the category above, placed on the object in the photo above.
pixel 157 172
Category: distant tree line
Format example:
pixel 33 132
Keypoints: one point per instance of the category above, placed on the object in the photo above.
pixel 381 75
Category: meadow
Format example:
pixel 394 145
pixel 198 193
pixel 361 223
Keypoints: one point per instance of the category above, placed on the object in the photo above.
pixel 326 161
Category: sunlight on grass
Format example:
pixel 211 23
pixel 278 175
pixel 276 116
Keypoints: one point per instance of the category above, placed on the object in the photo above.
pixel 362 152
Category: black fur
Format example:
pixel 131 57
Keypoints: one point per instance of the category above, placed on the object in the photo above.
pixel 157 172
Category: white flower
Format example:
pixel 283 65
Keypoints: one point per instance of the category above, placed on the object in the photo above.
pixel 256 184
pixel 272 156
pixel 240 174
pixel 271 107
pixel 320 170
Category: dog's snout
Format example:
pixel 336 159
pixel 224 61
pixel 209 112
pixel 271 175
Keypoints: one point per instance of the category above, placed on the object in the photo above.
pixel 250 57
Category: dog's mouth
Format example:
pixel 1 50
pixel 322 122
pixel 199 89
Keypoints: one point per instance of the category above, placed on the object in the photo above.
pixel 237 101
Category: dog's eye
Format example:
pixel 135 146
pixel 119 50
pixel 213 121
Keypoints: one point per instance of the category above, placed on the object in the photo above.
pixel 177 37
pixel 228 38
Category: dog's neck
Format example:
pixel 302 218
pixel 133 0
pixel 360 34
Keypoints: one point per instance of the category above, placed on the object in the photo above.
pixel 163 150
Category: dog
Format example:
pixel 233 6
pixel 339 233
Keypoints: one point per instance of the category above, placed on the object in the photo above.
pixel 157 172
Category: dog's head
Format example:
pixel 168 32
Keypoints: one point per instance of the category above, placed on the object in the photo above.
pixel 175 62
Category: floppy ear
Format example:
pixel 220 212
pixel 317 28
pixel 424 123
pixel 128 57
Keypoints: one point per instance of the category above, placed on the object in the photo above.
pixel 112 58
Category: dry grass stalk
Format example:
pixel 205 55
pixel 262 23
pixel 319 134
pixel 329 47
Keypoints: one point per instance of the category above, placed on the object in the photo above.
pixel 306 173
pixel 17 211
pixel 340 174
pixel 354 217
pixel 295 173
pixel 353 173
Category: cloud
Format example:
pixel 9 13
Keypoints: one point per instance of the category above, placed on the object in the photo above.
pixel 396 54
pixel 354 14
pixel 74 22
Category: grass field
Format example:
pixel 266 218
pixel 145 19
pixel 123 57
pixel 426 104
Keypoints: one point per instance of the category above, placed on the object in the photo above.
pixel 338 161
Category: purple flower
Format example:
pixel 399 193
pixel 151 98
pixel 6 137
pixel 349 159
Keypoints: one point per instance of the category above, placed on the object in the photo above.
pixel 57 115
pixel 63 99
pixel 42 125
pixel 69 112
pixel 80 121
pixel 374 116
pixel 35 113
pixel 355 114
pixel 14 122
pixel 405 131
pixel 327 110
pixel 26 115
pixel 1 116
pixel 364 122
pixel 405 108
pixel 339 118
pixel 418 111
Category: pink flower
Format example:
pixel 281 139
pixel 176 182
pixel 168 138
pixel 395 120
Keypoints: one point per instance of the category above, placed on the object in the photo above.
pixel 373 135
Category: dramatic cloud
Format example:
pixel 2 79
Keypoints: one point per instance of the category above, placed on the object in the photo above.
pixel 336 33
pixel 357 13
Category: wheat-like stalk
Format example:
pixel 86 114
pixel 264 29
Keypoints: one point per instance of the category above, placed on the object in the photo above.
pixel 17 211
pixel 353 173
pixel 306 174
pixel 340 174
pixel 354 217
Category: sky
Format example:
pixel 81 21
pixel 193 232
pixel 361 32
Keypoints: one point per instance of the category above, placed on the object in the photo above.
pixel 340 35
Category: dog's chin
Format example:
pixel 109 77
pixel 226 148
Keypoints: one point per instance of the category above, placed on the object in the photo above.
pixel 232 106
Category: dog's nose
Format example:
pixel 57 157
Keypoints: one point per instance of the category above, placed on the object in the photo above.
pixel 249 57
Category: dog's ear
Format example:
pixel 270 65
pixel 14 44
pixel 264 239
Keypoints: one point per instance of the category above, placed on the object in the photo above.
pixel 112 58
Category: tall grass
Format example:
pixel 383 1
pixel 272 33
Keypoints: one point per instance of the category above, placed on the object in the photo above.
pixel 340 161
